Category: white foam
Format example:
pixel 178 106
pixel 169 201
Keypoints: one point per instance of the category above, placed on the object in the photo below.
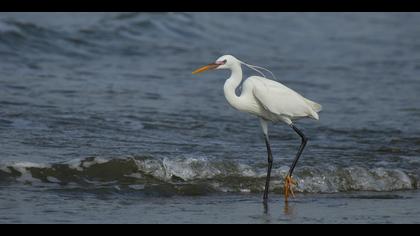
pixel 75 164
pixel 4 168
pixel 151 167
pixel 135 175
pixel 24 164
pixel 94 161
pixel 81 164
pixel 190 168
pixel 53 179
pixel 247 171
pixel 352 178
pixel 26 175
pixel 136 186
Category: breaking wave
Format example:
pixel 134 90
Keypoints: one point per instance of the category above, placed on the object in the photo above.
pixel 202 176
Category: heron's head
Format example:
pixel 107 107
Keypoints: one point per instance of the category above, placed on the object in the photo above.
pixel 223 62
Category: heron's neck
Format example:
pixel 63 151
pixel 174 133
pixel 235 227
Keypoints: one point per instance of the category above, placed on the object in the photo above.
pixel 230 87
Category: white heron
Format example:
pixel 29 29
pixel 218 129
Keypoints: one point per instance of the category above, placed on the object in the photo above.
pixel 269 100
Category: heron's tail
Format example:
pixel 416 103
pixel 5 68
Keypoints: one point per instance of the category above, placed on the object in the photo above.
pixel 315 106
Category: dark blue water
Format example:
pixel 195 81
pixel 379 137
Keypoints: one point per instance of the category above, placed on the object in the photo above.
pixel 106 102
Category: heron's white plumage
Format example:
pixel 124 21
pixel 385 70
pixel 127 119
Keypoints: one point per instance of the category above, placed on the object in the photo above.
pixel 280 100
pixel 265 98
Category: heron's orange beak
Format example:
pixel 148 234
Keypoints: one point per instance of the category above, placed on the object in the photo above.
pixel 207 67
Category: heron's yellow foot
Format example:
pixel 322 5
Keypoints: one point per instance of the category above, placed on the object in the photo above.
pixel 288 187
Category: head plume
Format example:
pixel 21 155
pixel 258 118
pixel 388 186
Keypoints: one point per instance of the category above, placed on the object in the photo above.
pixel 256 68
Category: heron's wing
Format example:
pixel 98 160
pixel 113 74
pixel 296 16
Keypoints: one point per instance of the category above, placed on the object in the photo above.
pixel 281 100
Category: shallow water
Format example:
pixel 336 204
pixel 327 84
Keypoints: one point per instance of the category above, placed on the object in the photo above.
pixel 107 101
pixel 48 205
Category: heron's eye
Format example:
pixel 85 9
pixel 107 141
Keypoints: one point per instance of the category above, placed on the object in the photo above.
pixel 224 61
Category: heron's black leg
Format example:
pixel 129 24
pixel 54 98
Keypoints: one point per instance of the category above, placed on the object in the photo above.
pixel 270 164
pixel 302 146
